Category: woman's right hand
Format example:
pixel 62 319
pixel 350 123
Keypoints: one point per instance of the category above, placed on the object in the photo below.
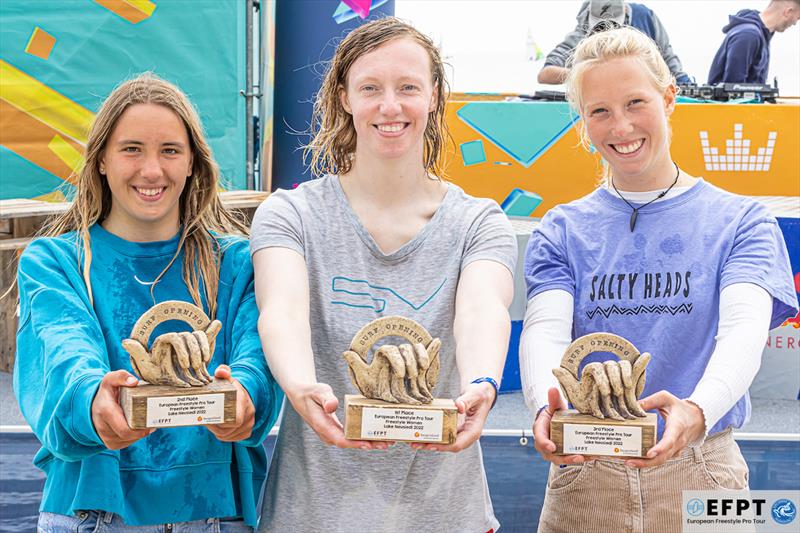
pixel 107 416
pixel 541 432
pixel 317 404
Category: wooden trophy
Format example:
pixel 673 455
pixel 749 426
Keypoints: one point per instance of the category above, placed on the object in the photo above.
pixel 177 389
pixel 607 419
pixel 396 403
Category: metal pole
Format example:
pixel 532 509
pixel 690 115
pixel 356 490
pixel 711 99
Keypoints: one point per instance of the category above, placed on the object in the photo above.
pixel 248 95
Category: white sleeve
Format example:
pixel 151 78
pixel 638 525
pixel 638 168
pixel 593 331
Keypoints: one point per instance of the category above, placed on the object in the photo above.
pixel 546 333
pixel 744 314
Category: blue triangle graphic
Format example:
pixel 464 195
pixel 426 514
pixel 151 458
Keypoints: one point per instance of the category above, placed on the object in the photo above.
pixel 523 130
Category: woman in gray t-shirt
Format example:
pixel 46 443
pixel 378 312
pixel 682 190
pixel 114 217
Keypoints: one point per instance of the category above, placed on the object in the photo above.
pixel 380 234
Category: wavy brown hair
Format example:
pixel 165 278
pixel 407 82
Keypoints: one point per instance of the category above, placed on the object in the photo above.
pixel 202 216
pixel 333 142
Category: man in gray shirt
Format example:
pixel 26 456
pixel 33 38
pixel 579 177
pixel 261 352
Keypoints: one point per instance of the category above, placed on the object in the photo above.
pixel 622 13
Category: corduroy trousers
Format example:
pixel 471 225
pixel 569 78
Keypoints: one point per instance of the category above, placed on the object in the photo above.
pixel 605 496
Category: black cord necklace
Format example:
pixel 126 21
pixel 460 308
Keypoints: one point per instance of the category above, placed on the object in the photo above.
pixel 635 213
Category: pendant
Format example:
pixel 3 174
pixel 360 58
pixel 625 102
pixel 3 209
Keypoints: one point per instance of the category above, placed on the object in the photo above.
pixel 633 219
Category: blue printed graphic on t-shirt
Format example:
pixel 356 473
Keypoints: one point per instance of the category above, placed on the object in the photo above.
pixel 362 294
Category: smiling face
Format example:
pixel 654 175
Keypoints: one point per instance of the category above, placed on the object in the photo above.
pixel 146 162
pixel 389 94
pixel 626 118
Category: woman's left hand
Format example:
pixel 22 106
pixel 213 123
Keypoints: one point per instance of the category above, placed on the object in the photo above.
pixel 684 424
pixel 242 427
pixel 473 404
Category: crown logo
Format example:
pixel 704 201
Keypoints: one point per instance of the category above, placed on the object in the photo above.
pixel 737 156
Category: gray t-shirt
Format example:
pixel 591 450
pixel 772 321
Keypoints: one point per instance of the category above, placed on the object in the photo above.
pixel 314 487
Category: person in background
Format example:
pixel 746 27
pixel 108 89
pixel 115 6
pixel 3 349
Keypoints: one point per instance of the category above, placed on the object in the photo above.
pixel 743 56
pixel 146 226
pixel 686 271
pixel 623 14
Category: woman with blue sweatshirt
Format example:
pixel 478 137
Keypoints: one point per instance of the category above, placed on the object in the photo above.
pixel 146 226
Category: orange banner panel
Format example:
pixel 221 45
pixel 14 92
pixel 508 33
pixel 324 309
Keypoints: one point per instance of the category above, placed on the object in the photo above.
pixel 40 44
pixel 29 138
pixel 750 149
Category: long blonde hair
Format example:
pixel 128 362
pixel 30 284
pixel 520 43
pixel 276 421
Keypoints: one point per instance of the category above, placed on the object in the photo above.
pixel 333 143
pixel 607 45
pixel 202 214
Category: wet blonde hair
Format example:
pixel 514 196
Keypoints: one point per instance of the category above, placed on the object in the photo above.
pixel 605 46
pixel 202 214
pixel 333 142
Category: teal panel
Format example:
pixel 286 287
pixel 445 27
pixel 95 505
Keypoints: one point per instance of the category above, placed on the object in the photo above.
pixel 198 45
pixel 18 177
pixel 472 152
pixel 521 203
pixel 523 130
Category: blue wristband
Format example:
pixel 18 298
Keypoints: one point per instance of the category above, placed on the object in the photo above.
pixel 487 379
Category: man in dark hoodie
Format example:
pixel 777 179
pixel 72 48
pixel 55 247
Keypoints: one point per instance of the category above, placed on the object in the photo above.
pixel 744 54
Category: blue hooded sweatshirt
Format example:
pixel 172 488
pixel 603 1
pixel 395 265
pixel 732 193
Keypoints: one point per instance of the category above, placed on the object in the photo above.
pixel 67 342
pixel 743 56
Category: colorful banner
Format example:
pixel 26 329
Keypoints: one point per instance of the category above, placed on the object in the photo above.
pixel 779 376
pixel 506 146
pixel 306 35
pixel 59 60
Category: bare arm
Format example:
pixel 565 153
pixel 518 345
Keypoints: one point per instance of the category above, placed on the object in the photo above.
pixel 482 324
pixel 552 75
pixel 481 329
pixel 282 294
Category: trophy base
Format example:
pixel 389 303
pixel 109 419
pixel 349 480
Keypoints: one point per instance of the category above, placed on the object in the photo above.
pixel 576 433
pixel 368 419
pixel 157 406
